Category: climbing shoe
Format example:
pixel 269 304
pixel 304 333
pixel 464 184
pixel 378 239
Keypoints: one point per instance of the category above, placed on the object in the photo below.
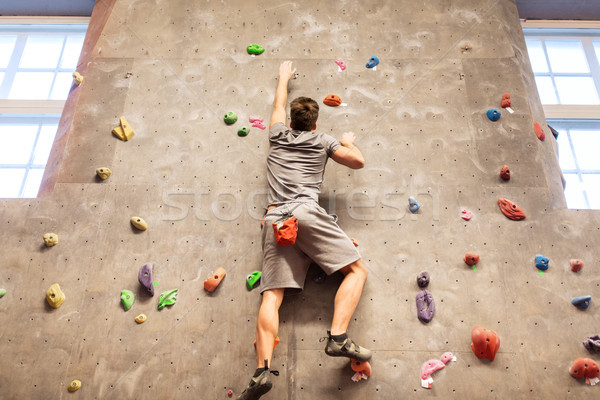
pixel 346 348
pixel 258 385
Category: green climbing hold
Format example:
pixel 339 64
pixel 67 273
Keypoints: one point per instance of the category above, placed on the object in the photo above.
pixel 2 292
pixel 167 298
pixel 230 118
pixel 243 131
pixel 252 279
pixel 127 299
pixel 255 49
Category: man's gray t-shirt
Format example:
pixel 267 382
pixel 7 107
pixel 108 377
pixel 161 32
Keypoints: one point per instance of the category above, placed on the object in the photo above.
pixel 296 163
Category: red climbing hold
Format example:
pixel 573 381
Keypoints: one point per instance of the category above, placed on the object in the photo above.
pixel 584 367
pixel 332 100
pixel 538 131
pixel 471 258
pixel 511 210
pixel 505 172
pixel 505 100
pixel 485 343
pixel 576 265
pixel 354 242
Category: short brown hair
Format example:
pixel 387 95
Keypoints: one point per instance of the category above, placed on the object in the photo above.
pixel 304 112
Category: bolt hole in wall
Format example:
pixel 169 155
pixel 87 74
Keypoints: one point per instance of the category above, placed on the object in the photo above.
pixel 36 66
pixel 566 65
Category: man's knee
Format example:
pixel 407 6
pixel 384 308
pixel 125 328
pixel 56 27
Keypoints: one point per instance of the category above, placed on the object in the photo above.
pixel 357 267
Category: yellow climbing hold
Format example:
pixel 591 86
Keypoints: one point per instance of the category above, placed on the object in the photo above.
pixel 77 78
pixel 139 223
pixel 140 318
pixel 73 386
pixel 50 239
pixel 54 296
pixel 123 131
pixel 103 172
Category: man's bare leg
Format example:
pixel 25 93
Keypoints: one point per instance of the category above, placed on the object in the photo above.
pixel 267 325
pixel 348 296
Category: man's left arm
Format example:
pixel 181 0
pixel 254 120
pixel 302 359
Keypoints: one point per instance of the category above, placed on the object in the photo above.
pixel 285 74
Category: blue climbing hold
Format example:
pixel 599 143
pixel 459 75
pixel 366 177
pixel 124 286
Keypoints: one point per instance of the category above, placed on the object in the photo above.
pixel 413 206
pixel 373 61
pixel 541 262
pixel 493 114
pixel 582 302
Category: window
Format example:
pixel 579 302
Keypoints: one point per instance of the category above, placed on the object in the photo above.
pixel 565 63
pixel 36 66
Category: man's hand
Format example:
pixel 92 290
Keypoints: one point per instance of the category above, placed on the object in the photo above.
pixel 285 71
pixel 348 155
pixel 347 139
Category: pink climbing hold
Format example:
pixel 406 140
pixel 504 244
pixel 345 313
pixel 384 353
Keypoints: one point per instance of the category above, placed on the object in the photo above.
pixel 254 119
pixel 259 125
pixel 539 131
pixel 429 368
pixel 341 64
pixel 230 393
pixel 467 215
pixel 447 356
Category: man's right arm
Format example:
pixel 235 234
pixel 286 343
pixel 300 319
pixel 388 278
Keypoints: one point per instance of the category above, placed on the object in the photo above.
pixel 285 74
pixel 348 154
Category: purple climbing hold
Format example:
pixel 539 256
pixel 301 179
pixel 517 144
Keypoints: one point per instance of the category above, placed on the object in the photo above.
pixel 425 306
pixel 146 277
pixel 423 279
pixel 592 343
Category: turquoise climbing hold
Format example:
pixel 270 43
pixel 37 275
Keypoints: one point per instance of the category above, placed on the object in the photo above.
pixel 255 49
pixel 252 279
pixel 167 298
pixel 230 118
pixel 127 299
pixel 373 61
pixel 493 114
pixel 413 206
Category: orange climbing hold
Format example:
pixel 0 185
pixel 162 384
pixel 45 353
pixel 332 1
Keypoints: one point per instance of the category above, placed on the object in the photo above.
pixel 584 367
pixel 576 265
pixel 485 342
pixel 511 210
pixel 354 242
pixel 361 366
pixel 539 131
pixel 471 258
pixel 332 100
pixel 213 281
pixel 505 100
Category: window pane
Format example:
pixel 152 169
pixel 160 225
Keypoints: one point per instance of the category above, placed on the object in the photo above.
pixel 566 55
pixel 1 77
pixel 574 192
pixel 32 185
pixel 587 146
pixel 7 44
pixel 591 184
pixel 597 48
pixel 10 182
pixel 565 154
pixel 44 144
pixel 62 85
pixel 576 90
pixel 71 52
pixel 31 85
pixel 536 55
pixel 41 52
pixel 17 143
pixel 545 89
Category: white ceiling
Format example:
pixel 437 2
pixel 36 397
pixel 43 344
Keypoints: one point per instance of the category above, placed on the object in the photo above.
pixel 80 8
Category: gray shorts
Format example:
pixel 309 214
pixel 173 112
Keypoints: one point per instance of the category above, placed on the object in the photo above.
pixel 319 239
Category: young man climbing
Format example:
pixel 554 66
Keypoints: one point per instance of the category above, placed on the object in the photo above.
pixel 295 167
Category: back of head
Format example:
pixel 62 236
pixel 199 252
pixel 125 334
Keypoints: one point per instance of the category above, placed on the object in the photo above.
pixel 304 112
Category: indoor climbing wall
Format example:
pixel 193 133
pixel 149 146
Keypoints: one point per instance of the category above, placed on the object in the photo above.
pixel 173 69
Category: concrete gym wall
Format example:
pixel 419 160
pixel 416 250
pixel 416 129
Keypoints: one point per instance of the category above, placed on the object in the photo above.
pixel 173 68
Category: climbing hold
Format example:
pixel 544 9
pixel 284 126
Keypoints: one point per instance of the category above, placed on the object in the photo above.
pixel 582 302
pixel 428 368
pixel 592 343
pixel 447 357
pixel 145 277
pixel 259 125
pixel 2 292
pixel 252 279
pixel 103 172
pixel 140 319
pixel 167 298
pixel 413 206
pixel 576 265
pixel 485 343
pixel 274 344
pixel 318 275
pixel 505 100
pixel 73 386
pixel 541 262
pixel 139 223
pixel 423 279
pixel 471 258
pixel 373 61
pixel 255 49
pixel 505 172
pixel 467 215
pixel 341 64
pixel 77 78
pixel 511 210
pixel 230 118
pixel 127 299
pixel 123 131
pixel 50 239
pixel 585 367
pixel 539 132
pixel 213 281
pixel 54 296
pixel 243 131
pixel 332 100
pixel 230 393
pixel 362 369
pixel 425 306
pixel 252 119
pixel 354 242
pixel 493 114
